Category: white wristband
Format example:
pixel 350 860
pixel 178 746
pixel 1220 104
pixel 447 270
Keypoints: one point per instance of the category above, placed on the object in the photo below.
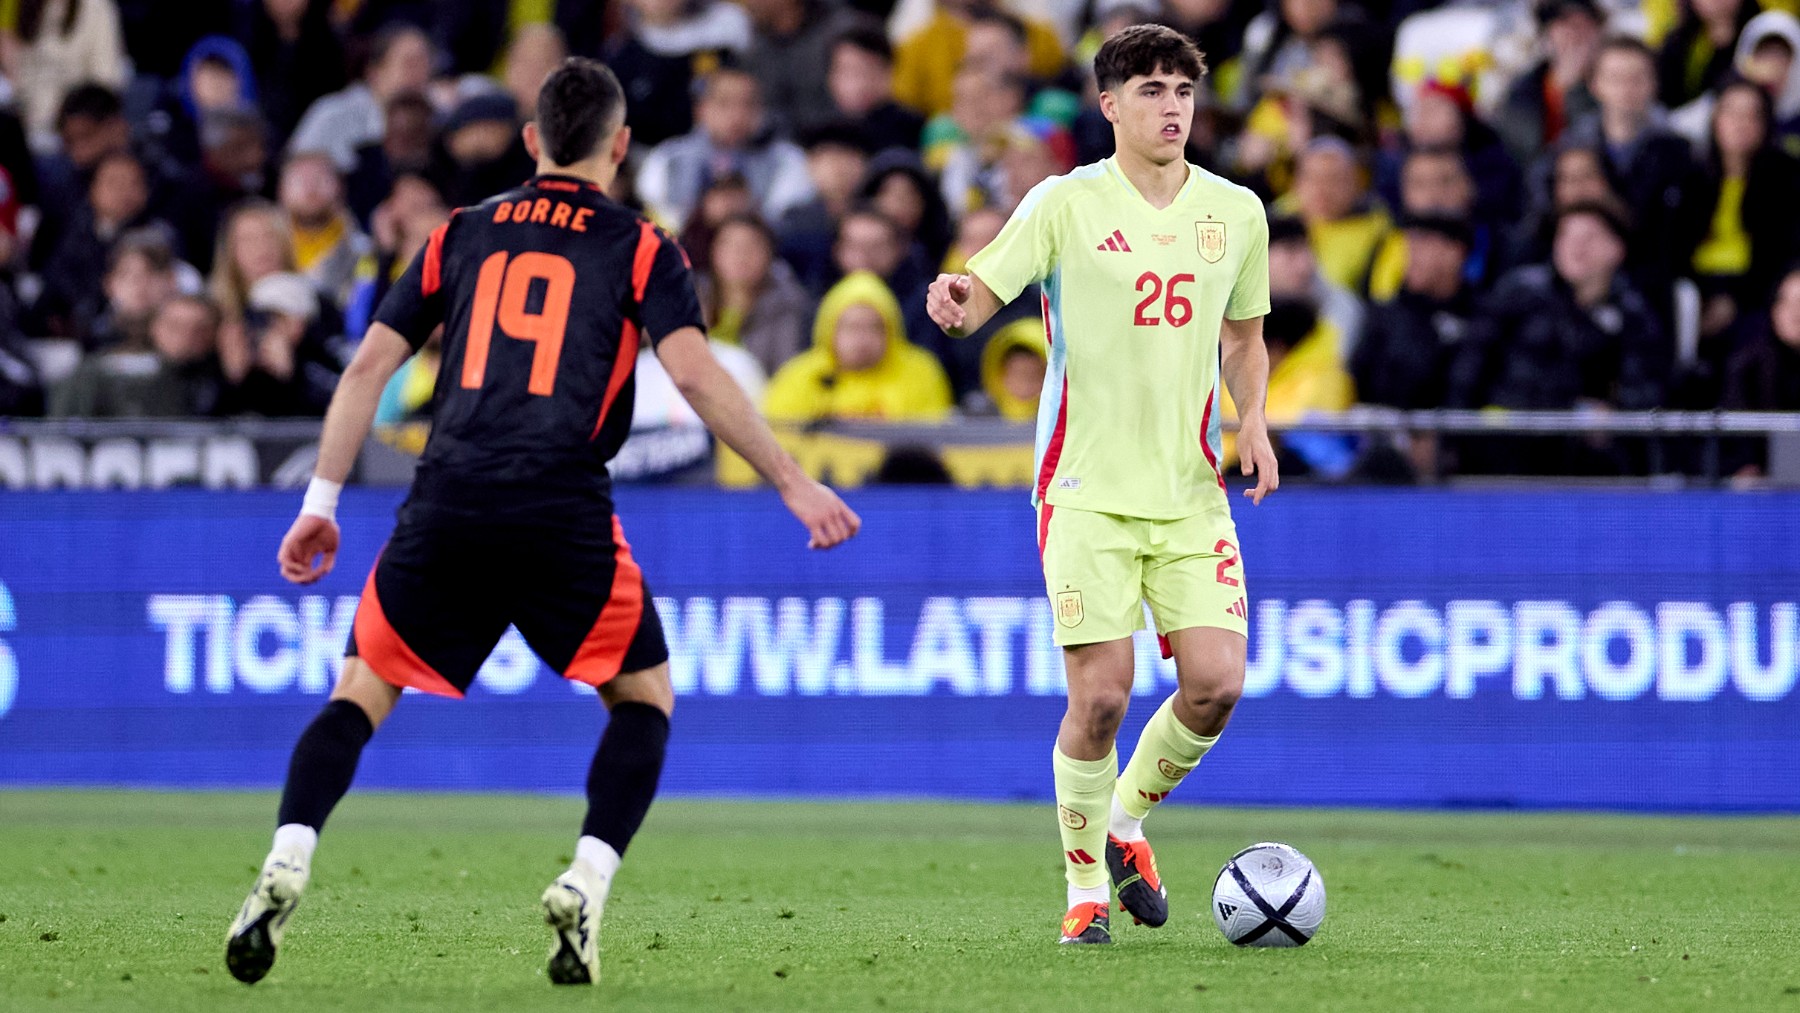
pixel 321 499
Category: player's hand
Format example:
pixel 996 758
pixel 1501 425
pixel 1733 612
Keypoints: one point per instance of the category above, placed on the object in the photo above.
pixel 1257 457
pixel 944 302
pixel 310 549
pixel 828 520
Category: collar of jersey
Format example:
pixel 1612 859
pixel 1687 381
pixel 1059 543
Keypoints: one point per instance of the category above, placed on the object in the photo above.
pixel 541 178
pixel 1112 167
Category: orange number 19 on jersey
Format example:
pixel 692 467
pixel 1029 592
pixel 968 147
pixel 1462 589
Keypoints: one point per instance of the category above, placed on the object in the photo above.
pixel 501 292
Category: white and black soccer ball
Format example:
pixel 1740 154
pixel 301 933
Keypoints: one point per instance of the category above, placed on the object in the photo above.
pixel 1269 895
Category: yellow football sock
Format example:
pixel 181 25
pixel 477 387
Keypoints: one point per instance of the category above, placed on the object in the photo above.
pixel 1084 790
pixel 1165 753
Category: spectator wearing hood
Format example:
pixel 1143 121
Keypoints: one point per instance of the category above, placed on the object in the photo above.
pixel 860 366
pixel 216 75
pixel 1741 219
pixel 1768 53
pixel 1013 365
pixel 1543 101
pixel 480 151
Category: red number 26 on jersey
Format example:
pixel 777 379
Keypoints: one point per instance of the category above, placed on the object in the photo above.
pixel 1177 309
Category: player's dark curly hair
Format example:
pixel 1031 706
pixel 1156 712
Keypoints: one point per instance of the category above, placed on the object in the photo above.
pixel 580 103
pixel 1145 50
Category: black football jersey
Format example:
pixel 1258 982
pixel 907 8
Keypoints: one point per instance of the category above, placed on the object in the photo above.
pixel 546 294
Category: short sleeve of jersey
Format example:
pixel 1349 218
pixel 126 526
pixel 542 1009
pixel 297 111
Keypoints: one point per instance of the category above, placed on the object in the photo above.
pixel 1250 293
pixel 1024 250
pixel 408 306
pixel 669 301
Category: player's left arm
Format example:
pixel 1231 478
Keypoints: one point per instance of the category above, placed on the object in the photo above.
pixel 1244 361
pixel 310 549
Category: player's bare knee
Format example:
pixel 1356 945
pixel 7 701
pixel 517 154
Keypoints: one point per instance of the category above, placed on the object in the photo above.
pixel 1100 712
pixel 648 686
pixel 359 684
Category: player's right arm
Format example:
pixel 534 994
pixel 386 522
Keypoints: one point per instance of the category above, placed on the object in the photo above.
pixel 411 310
pixel 728 413
pixel 1024 252
pixel 310 549
pixel 961 303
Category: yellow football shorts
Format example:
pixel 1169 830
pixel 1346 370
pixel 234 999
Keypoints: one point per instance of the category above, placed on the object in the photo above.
pixel 1100 569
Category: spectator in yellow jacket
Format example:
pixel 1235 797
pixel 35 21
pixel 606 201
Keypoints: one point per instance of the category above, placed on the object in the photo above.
pixel 1013 364
pixel 860 366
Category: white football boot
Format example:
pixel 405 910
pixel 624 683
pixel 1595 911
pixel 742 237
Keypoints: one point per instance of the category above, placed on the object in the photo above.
pixel 250 947
pixel 572 906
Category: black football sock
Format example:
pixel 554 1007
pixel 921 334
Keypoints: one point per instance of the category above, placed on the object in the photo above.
pixel 622 780
pixel 324 763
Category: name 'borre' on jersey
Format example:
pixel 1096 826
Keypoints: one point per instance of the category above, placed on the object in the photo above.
pixel 546 293
pixel 1133 298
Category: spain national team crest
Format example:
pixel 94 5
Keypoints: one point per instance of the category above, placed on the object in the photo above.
pixel 1068 608
pixel 1211 236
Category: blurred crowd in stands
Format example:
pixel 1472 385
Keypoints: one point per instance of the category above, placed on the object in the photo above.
pixel 1566 204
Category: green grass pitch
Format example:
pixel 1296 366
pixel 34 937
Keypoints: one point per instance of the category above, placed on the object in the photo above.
pixel 120 900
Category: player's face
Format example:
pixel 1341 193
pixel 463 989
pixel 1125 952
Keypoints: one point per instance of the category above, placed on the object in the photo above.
pixel 1152 114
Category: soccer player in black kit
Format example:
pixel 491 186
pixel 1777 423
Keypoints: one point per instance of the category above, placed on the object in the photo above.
pixel 545 294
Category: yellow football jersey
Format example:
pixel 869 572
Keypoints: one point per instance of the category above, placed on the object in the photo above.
pixel 1133 300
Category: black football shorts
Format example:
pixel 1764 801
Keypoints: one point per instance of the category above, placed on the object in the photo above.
pixel 443 593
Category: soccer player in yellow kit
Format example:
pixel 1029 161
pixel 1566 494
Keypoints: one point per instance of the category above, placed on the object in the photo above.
pixel 1155 278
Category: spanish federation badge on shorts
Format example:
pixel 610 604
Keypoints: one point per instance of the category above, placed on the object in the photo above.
pixel 1068 608
pixel 1211 237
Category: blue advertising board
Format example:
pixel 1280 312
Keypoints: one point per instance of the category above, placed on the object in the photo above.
pixel 1535 648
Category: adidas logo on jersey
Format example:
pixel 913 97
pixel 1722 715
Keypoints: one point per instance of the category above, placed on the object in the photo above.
pixel 1115 242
